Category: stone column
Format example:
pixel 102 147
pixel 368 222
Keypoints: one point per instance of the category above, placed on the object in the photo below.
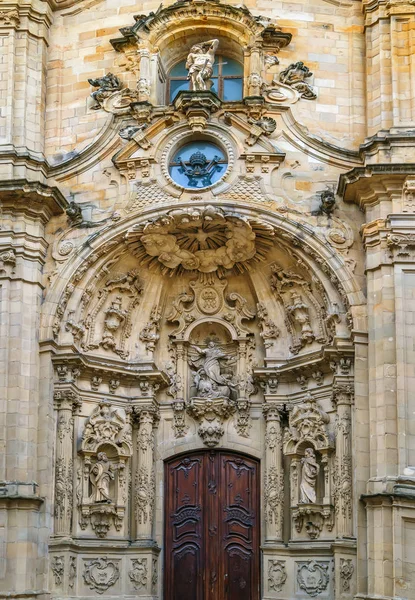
pixel 343 398
pixel 66 401
pixel 274 474
pixel 144 82
pixel 147 416
pixel 254 80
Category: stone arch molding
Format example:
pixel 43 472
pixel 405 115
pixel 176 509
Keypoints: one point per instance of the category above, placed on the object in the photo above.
pixel 87 264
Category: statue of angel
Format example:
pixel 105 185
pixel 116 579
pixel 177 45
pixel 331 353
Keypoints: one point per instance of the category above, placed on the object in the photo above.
pixel 200 65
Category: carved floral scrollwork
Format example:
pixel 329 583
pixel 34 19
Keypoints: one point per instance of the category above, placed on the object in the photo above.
pixel 313 577
pixel 277 575
pixel 58 569
pixel 100 574
pixel 139 573
pixel 346 573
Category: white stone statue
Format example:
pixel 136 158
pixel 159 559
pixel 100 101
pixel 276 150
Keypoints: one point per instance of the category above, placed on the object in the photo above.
pixel 309 474
pixel 101 475
pixel 208 380
pixel 200 65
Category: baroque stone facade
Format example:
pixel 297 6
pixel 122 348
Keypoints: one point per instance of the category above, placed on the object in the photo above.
pixel 229 265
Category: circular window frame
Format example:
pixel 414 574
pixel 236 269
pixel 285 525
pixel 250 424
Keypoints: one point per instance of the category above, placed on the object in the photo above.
pixel 180 140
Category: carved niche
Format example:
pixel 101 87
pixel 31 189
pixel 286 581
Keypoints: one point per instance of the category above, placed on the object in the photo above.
pixel 103 476
pixel 305 308
pixel 211 370
pixel 309 445
pixel 105 317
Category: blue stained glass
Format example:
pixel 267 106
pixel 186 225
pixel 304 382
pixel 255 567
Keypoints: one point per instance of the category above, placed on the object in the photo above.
pixel 214 87
pixel 179 70
pixel 198 165
pixel 177 86
pixel 232 90
pixel 231 67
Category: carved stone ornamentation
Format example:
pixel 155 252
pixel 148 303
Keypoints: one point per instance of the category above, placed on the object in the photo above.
pixel 139 573
pixel 309 473
pixel 305 315
pixel 200 65
pixel 295 76
pixel 147 417
pixel 408 196
pixel 327 203
pixel 102 489
pixel 194 240
pixel 100 574
pixel 72 572
pixel 57 566
pixel 208 298
pixel 150 332
pixel 105 318
pixel 307 422
pixel 346 574
pixel 7 262
pixel 277 575
pixel 270 332
pixel 313 577
pixel 106 85
pixel 179 418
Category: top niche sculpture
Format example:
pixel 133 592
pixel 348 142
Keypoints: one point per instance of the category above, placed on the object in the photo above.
pixel 200 65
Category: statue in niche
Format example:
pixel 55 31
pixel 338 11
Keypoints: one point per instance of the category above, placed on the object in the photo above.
pixel 309 474
pixel 200 65
pixel 208 379
pixel 100 476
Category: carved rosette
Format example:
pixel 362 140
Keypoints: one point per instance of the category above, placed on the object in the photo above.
pixel 66 401
pixel 147 417
pixel 274 473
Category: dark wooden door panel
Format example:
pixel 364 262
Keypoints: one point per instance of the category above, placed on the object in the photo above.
pixel 212 527
pixel 184 528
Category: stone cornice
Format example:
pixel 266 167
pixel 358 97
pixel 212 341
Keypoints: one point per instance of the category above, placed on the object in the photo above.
pixel 365 185
pixel 31 198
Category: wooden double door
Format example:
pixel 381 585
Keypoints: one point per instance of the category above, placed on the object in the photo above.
pixel 212 527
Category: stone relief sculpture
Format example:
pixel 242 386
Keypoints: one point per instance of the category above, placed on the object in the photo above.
pixel 103 474
pixel 200 65
pixel 313 577
pixel 100 574
pixel 100 476
pixel 294 76
pixel 208 379
pixel 304 306
pixel 138 574
pixel 309 473
pixel 205 240
pixel 103 319
pixel 106 86
pixel 277 575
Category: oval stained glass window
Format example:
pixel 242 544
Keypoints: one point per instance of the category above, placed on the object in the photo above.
pixel 198 165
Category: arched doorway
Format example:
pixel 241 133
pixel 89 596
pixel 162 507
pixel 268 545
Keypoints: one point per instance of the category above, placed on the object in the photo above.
pixel 212 527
